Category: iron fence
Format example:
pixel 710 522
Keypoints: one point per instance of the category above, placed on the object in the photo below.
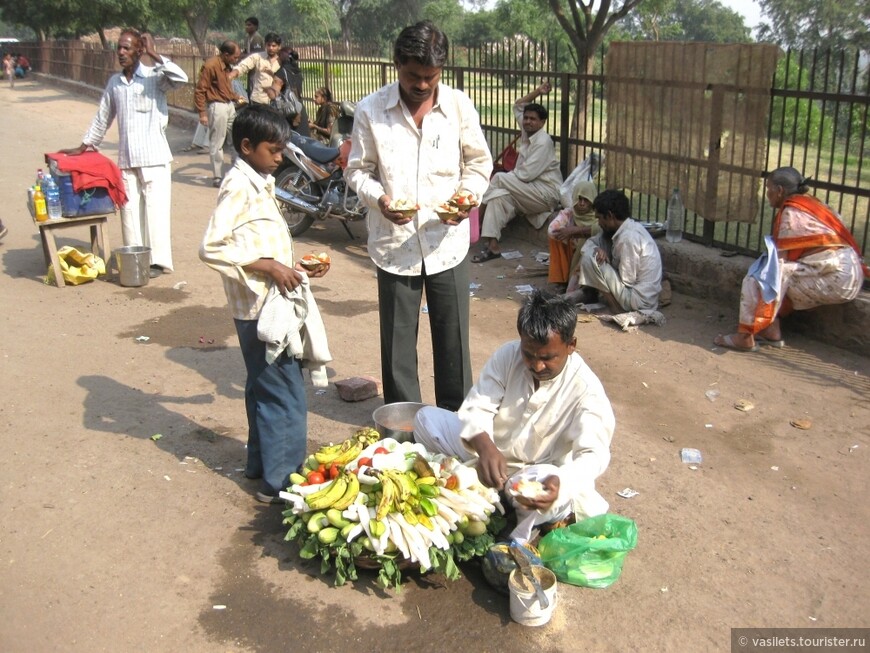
pixel 818 120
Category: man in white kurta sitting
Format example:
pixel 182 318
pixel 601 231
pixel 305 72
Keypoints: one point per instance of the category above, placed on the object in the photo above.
pixel 622 262
pixel 537 412
pixel 531 188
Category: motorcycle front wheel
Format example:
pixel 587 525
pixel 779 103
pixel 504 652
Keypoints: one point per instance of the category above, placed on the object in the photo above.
pixel 293 180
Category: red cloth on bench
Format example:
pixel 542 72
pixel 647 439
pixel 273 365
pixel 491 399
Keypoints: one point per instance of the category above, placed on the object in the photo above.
pixel 92 170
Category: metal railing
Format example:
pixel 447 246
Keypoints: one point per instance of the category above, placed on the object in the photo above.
pixel 819 113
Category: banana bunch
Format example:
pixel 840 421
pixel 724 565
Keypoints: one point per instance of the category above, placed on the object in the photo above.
pixel 338 494
pixel 344 452
pixel 339 454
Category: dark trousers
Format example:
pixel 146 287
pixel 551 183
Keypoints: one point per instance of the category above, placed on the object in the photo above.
pixel 399 301
pixel 277 412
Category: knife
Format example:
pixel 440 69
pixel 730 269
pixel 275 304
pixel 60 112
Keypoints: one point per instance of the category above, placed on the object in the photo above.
pixel 525 566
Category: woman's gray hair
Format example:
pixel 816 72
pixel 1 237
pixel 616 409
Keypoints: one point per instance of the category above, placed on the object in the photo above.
pixel 790 180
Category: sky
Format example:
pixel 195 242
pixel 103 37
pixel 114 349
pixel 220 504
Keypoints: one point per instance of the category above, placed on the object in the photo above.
pixel 749 9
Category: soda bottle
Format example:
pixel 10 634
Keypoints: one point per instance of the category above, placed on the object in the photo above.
pixel 40 177
pixel 674 225
pixel 52 199
pixel 39 207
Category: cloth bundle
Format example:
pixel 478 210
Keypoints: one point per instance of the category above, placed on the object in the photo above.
pixel 76 267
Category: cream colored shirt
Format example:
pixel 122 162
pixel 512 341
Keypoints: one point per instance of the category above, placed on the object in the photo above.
pixel 536 160
pixel 264 69
pixel 568 421
pixel 426 166
pixel 246 225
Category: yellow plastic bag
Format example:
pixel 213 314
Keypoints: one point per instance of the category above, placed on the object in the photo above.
pixel 76 267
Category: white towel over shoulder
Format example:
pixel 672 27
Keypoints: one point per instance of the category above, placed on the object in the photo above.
pixel 293 322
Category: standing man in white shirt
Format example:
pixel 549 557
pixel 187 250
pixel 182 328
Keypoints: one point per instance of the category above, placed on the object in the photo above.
pixel 420 141
pixel 137 97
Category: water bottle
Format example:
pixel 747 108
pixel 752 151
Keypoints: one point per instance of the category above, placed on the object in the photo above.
pixel 674 225
pixel 39 208
pixel 52 199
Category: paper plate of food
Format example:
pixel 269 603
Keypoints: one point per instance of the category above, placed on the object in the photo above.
pixel 315 262
pixel 463 200
pixel 526 487
pixel 405 207
pixel 447 211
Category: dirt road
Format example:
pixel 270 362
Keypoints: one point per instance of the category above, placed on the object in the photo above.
pixel 112 541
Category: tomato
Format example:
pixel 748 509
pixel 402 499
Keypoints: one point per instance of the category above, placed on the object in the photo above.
pixel 382 450
pixel 322 469
pixel 452 482
pixel 334 471
pixel 315 478
pixel 367 462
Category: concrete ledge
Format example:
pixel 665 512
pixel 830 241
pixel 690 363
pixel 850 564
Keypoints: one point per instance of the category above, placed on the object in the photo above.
pixel 703 272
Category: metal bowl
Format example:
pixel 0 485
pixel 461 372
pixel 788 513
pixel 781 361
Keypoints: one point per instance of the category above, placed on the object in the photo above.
pixel 396 420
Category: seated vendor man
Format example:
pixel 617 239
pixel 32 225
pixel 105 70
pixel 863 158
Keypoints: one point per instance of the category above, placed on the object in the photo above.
pixel 531 188
pixel 622 262
pixel 537 411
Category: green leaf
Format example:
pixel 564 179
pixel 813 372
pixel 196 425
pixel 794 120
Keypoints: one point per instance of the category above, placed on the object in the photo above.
pixel 310 548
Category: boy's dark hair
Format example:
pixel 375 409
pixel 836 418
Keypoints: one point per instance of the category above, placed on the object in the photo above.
pixel 612 201
pixel 424 43
pixel 253 20
pixel 540 109
pixel 272 37
pixel 544 313
pixel 259 123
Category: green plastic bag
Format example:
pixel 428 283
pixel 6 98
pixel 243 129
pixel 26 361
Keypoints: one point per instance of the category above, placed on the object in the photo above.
pixel 579 555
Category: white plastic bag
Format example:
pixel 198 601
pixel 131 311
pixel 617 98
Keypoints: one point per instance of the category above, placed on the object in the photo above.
pixel 585 171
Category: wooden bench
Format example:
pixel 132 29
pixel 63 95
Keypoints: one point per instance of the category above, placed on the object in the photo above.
pixel 99 225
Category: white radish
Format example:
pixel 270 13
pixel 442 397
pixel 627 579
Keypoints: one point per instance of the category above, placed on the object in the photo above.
pixel 398 537
pixel 355 532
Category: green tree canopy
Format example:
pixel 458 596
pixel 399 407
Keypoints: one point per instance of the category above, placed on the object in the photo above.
pixel 810 23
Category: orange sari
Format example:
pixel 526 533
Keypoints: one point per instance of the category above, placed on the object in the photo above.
pixel 756 314
pixel 796 246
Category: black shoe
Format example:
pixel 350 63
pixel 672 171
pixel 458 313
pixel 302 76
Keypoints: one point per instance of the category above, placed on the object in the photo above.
pixel 262 497
pixel 216 182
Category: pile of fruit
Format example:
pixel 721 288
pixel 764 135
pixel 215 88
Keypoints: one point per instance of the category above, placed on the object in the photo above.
pixel 387 505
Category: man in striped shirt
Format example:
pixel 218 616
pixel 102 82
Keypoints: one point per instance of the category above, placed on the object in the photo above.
pixel 137 97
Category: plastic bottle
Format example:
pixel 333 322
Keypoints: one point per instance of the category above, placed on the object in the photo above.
pixel 40 209
pixel 674 225
pixel 40 177
pixel 52 199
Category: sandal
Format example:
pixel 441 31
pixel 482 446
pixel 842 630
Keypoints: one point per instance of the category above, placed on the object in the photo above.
pixel 728 343
pixel 484 256
pixel 776 344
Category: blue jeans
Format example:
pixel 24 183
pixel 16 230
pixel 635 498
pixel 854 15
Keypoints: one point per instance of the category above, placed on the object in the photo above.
pixel 277 412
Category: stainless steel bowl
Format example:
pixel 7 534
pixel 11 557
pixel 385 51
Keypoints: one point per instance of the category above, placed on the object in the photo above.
pixel 396 420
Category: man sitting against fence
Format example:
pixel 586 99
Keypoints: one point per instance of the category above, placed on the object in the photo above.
pixel 622 262
pixel 531 188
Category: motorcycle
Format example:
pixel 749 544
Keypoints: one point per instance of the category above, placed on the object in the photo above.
pixel 310 184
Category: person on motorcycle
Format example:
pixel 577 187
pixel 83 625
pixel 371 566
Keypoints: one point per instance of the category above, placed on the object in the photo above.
pixel 418 142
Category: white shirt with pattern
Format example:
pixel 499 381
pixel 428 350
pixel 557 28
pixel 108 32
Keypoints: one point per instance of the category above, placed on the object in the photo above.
pixel 426 166
pixel 142 111
pixel 246 225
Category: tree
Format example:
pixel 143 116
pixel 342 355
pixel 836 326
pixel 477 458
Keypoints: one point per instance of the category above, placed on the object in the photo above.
pixel 809 23
pixel 198 15
pixel 686 20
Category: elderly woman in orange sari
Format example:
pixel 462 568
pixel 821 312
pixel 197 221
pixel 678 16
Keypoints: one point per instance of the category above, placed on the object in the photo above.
pixel 812 260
